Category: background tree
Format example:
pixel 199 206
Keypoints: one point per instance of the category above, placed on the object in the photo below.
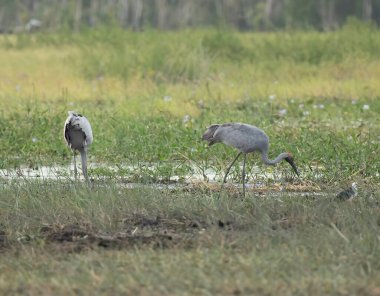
pixel 174 14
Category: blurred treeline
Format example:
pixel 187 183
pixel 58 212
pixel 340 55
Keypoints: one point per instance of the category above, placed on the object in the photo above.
pixel 253 15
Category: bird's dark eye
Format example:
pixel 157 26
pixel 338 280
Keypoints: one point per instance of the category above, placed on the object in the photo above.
pixel 80 115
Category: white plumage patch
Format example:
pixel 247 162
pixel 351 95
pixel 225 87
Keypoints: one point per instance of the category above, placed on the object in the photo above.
pixel 74 124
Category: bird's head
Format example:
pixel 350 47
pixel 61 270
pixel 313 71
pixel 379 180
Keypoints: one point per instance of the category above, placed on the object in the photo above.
pixel 290 159
pixel 209 134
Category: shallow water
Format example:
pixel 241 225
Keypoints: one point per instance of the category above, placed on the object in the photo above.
pixel 198 179
pixel 66 172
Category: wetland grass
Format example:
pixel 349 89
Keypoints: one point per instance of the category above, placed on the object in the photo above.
pixel 311 96
pixel 149 96
pixel 66 238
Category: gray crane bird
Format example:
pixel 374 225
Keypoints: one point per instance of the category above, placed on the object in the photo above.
pixel 349 193
pixel 247 139
pixel 78 136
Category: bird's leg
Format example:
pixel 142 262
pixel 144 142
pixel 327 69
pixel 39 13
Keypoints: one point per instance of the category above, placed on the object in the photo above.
pixel 75 166
pixel 243 173
pixel 228 170
pixel 83 155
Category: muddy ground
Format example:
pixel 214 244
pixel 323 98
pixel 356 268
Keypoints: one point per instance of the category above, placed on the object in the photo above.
pixel 137 231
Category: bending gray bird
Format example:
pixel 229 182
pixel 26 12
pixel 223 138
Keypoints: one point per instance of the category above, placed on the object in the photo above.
pixel 78 136
pixel 247 139
pixel 349 193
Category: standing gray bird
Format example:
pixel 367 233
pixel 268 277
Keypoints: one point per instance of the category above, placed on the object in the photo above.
pixel 247 139
pixel 349 193
pixel 78 136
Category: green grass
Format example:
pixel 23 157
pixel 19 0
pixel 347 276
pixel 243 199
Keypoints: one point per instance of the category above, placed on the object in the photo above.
pixel 258 245
pixel 149 96
pixel 120 80
pixel 338 140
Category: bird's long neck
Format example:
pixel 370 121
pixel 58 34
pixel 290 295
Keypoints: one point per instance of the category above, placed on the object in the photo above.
pixel 266 160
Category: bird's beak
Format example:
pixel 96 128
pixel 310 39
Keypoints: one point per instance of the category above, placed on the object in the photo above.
pixel 291 162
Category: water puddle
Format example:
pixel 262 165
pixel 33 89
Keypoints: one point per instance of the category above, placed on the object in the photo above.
pixel 199 178
pixel 42 172
pixel 101 171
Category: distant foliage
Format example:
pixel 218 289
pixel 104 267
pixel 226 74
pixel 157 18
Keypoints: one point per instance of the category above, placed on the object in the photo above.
pixel 193 55
pixel 244 15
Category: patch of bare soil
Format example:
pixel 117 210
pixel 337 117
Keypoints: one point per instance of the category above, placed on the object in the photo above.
pixel 234 189
pixel 136 231
pixel 77 238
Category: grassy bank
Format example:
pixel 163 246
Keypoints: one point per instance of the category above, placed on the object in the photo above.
pixel 66 238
